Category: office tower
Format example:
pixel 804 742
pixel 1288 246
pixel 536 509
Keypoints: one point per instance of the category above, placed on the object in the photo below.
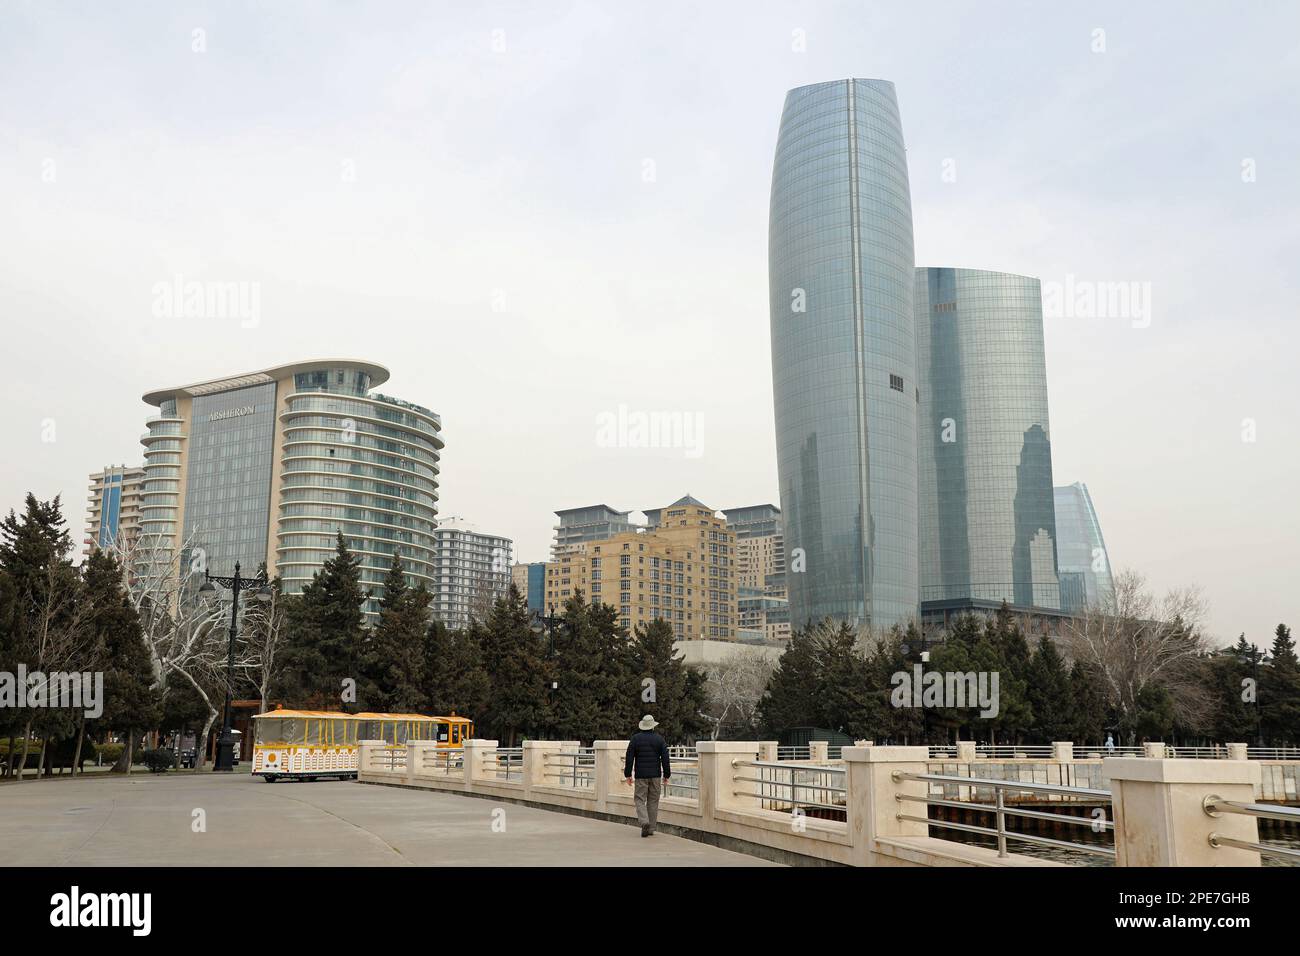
pixel 266 467
pixel 471 571
pixel 681 571
pixel 530 579
pixel 988 526
pixel 113 507
pixel 844 375
pixel 1081 551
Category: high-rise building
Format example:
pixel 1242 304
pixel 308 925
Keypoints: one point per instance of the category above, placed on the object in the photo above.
pixel 471 570
pixel 1081 553
pixel 987 522
pixel 681 571
pixel 530 579
pixel 761 595
pixel 113 507
pixel 269 466
pixel 844 373
pixel 588 523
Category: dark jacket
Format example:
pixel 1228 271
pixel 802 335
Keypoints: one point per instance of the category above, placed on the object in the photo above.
pixel 649 753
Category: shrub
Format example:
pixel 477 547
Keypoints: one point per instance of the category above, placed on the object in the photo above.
pixel 158 761
pixel 109 753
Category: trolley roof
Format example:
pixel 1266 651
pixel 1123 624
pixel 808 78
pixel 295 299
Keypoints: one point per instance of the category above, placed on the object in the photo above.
pixel 340 715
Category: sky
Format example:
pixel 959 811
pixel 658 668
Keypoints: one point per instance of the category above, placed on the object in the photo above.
pixel 538 214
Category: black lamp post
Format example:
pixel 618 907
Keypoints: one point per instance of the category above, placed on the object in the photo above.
pixel 546 623
pixel 226 743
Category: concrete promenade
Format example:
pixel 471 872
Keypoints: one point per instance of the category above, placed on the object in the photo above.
pixel 147 820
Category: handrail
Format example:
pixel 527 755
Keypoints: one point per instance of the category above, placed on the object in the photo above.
pixel 1215 806
pixel 1002 784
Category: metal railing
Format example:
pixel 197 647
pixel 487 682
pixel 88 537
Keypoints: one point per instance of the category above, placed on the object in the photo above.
pixel 794 753
pixel 685 781
pixel 506 762
pixel 784 785
pixel 442 761
pixel 1001 811
pixel 390 759
pixel 571 768
pixel 1215 806
pixel 1082 751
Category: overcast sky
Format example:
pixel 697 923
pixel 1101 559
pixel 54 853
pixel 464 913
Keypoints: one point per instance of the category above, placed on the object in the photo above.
pixel 536 213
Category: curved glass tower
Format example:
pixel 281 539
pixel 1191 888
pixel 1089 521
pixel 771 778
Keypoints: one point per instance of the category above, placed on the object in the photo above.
pixel 988 525
pixel 840 272
pixel 1081 551
pixel 267 467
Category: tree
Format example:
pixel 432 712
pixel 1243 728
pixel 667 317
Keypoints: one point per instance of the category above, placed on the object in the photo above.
pixel 1135 640
pixel 266 634
pixel 455 680
pixel 1049 694
pixel 391 676
pixel 593 668
pixel 732 690
pixel 1279 692
pixel 325 633
pixel 131 702
pixel 675 693
pixel 1088 700
pixel 516 701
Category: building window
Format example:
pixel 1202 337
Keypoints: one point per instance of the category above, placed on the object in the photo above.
pixel 896 382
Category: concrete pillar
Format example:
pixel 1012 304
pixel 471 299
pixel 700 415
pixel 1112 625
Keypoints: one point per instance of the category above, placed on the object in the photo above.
pixel 366 754
pixel 1237 751
pixel 767 750
pixel 719 789
pixel 610 755
pixel 476 752
pixel 818 751
pixel 535 766
pixel 965 751
pixel 1153 749
pixel 415 750
pixel 873 807
pixel 1063 751
pixel 1160 818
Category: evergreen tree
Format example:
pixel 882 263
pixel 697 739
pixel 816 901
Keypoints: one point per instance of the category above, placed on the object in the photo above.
pixel 391 677
pixel 1089 704
pixel 1011 652
pixel 1279 693
pixel 672 697
pixel 1049 695
pixel 594 670
pixel 325 632
pixel 790 698
pixel 131 700
pixel 511 654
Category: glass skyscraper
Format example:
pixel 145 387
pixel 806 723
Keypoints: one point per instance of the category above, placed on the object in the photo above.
pixel 844 369
pixel 267 467
pixel 1081 550
pixel 987 521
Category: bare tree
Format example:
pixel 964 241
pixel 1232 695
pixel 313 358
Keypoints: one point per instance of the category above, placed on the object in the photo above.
pixel 1136 640
pixel 265 623
pixel 733 687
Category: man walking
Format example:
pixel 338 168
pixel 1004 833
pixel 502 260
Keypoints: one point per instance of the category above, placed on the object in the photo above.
pixel 648 753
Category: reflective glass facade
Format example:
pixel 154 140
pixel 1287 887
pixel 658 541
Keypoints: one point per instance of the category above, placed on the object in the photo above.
pixel 844 371
pixel 1081 550
pixel 988 525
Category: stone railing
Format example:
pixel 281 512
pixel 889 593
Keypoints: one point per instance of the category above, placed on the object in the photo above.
pixel 855 811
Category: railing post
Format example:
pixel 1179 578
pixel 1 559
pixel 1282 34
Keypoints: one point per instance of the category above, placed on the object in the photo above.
pixel 534 763
pixel 1063 751
pixel 768 750
pixel 818 751
pixel 366 754
pixel 871 795
pixel 719 789
pixel 415 757
pixel 609 771
pixel 1155 748
pixel 965 751
pixel 475 753
pixel 1160 817
pixel 1237 751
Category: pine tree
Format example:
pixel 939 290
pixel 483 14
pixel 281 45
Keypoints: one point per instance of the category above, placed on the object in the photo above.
pixel 1088 722
pixel 1049 696
pixel 593 668
pixel 511 653
pixel 391 678
pixel 325 632
pixel 790 698
pixel 1279 693
pixel 672 696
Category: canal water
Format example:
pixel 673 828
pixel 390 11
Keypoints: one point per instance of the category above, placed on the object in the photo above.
pixel 1290 840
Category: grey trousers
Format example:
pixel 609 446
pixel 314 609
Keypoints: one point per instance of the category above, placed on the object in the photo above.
pixel 647 800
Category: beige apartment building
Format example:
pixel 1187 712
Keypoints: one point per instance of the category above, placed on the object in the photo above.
pixel 681 569
pixel 760 572
pixel 113 507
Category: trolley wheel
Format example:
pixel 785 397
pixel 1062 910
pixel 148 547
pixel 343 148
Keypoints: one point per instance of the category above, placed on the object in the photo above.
pixel 270 778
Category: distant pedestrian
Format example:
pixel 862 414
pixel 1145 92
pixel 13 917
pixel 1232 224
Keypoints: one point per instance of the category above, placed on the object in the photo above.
pixel 648 754
pixel 1110 745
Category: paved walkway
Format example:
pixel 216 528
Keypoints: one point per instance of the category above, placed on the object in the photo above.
pixel 147 820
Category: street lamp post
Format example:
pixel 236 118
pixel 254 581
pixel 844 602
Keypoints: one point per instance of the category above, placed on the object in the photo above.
pixel 547 623
pixel 226 743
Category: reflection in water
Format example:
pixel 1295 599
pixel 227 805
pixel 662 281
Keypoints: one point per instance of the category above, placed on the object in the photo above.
pixel 1290 841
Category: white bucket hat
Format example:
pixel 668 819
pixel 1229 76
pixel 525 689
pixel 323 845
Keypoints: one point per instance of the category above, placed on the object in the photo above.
pixel 648 723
